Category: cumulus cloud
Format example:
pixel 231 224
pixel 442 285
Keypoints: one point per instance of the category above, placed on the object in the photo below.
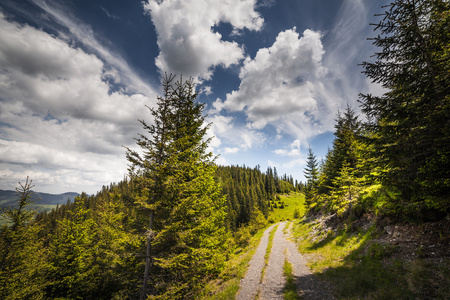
pixel 188 45
pixel 60 120
pixel 227 133
pixel 283 86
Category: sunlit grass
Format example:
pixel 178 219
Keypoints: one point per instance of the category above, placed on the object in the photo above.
pixel 292 202
pixel 330 249
pixel 268 250
pixel 359 268
pixel 290 289
pixel 227 286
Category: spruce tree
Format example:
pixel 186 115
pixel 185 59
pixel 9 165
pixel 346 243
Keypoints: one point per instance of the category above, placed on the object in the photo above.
pixel 174 180
pixel 312 175
pixel 22 255
pixel 409 123
pixel 345 151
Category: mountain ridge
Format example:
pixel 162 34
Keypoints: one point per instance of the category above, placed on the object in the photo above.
pixel 9 198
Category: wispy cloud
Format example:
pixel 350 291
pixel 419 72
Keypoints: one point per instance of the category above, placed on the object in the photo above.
pixel 109 14
pixel 82 33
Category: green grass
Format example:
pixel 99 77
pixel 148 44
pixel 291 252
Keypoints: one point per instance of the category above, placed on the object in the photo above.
pixel 328 250
pixel 359 268
pixel 290 289
pixel 268 250
pixel 227 286
pixel 293 202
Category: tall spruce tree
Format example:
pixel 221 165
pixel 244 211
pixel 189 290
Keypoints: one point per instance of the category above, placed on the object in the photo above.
pixel 174 179
pixel 409 123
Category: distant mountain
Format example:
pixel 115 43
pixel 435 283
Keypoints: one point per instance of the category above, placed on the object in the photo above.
pixel 9 198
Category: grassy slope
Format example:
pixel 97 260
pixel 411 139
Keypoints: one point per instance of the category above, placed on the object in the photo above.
pixel 360 268
pixel 292 202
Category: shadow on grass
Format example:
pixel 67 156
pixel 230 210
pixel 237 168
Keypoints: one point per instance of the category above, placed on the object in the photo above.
pixel 322 243
pixel 312 287
pixel 370 272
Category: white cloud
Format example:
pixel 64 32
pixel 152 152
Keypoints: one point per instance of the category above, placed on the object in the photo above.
pixel 232 134
pixel 294 149
pixel 228 150
pixel 283 86
pixel 61 124
pixel 207 90
pixel 186 39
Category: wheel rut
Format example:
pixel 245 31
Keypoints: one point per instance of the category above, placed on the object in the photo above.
pixel 272 285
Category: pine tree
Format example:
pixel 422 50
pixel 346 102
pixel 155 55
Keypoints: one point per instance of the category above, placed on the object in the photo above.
pixel 345 151
pixel 409 123
pixel 74 257
pixel 174 180
pixel 312 175
pixel 22 255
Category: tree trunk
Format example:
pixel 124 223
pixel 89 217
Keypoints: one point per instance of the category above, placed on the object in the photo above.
pixel 148 258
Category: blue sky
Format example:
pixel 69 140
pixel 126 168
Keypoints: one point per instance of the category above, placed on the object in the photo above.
pixel 76 75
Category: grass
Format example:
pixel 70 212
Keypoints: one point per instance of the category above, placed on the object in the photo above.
pixel 292 202
pixel 227 286
pixel 290 289
pixel 268 250
pixel 359 268
pixel 329 250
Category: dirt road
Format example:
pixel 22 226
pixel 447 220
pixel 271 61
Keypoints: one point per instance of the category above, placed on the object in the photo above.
pixel 272 284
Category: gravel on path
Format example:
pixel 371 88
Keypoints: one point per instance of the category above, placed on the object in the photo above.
pixel 274 280
pixel 308 286
pixel 250 284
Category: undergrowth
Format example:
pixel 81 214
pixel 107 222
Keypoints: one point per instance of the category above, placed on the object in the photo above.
pixel 360 268
pixel 227 285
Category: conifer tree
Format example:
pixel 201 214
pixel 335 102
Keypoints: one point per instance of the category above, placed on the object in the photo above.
pixel 409 123
pixel 22 255
pixel 312 175
pixel 174 179
pixel 345 151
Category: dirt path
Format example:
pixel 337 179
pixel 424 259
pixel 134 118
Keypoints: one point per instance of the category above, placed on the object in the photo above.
pixel 250 284
pixel 273 282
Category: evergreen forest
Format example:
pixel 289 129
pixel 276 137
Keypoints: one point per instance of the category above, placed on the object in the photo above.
pixel 173 223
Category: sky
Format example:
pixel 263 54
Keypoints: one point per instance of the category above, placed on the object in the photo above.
pixel 76 75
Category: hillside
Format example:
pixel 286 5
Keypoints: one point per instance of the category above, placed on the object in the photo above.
pixel 42 201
